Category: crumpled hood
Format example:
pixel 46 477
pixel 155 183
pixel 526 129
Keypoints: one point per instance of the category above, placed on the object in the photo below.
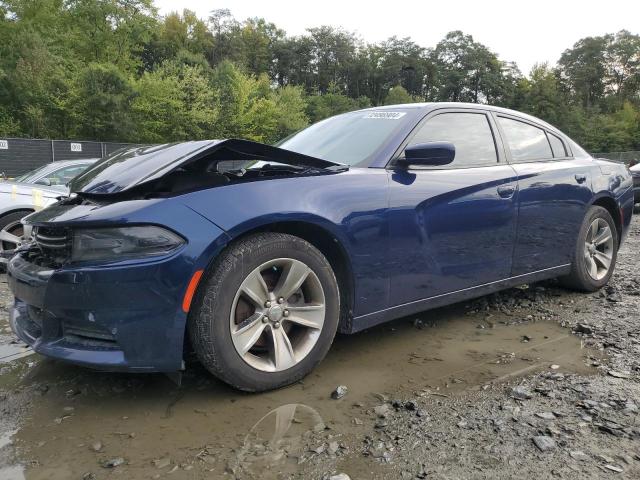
pixel 138 165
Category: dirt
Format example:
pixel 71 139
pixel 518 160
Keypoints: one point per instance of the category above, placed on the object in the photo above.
pixel 531 382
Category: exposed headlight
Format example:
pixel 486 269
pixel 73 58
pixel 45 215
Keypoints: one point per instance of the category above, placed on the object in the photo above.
pixel 123 243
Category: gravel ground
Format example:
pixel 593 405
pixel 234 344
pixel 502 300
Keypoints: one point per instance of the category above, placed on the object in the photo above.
pixel 533 382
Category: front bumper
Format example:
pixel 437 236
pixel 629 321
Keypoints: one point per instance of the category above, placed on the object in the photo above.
pixel 125 318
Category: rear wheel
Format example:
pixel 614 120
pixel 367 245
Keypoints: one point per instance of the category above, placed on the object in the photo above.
pixel 267 313
pixel 595 252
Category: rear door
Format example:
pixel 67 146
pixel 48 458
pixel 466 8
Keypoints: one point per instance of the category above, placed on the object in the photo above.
pixel 555 189
pixel 452 227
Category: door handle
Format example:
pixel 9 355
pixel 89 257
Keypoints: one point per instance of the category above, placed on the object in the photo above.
pixel 506 191
pixel 581 177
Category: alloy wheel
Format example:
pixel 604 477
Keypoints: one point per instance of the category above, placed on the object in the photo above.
pixel 598 249
pixel 277 315
pixel 11 236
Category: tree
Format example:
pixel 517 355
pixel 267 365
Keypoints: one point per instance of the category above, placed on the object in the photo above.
pixel 101 103
pixel 583 68
pixel 466 71
pixel 398 95
pixel 175 102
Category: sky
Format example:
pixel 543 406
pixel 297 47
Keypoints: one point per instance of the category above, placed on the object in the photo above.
pixel 526 32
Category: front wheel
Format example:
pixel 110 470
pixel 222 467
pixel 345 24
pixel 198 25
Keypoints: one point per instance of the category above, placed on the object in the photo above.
pixel 595 252
pixel 267 312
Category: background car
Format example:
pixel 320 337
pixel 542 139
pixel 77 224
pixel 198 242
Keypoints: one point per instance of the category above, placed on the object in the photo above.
pixel 32 191
pixel 357 220
pixel 635 173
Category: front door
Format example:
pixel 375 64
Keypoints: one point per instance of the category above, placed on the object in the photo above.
pixel 452 227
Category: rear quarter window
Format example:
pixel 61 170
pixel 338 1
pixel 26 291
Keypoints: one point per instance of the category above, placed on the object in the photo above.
pixel 557 145
pixel 526 142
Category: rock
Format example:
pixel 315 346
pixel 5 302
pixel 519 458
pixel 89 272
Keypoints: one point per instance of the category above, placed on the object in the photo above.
pixel 333 447
pixel 89 476
pixel 411 406
pixel 521 393
pixel 555 367
pixel 357 421
pixel 422 413
pixel 340 476
pixel 381 424
pixel 162 462
pixel 382 411
pixel 319 449
pixel 114 462
pixel 616 374
pixel 544 443
pixel 579 456
pixel 96 446
pixel 339 392
pixel 583 328
pixel 546 415
pixel 630 407
pixel 614 468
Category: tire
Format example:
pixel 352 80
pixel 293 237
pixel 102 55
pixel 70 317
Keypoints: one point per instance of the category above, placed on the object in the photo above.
pixel 223 311
pixel 582 276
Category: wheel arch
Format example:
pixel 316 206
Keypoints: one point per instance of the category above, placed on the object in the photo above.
pixel 330 246
pixel 320 236
pixel 30 210
pixel 609 203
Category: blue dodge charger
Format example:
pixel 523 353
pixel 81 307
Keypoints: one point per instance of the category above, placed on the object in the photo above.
pixel 254 256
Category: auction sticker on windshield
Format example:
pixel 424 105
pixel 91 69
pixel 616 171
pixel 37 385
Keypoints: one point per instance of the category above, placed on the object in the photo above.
pixel 385 115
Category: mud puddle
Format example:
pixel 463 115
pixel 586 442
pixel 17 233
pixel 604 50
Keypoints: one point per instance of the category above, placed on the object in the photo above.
pixel 80 419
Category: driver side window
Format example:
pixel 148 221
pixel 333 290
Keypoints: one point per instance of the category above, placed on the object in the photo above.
pixel 470 133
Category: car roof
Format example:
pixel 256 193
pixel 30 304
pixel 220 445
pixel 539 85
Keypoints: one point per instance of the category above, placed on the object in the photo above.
pixel 429 106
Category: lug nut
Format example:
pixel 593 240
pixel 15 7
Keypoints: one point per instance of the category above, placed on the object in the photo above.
pixel 267 304
pixel 281 300
pixel 276 325
pixel 265 319
pixel 285 313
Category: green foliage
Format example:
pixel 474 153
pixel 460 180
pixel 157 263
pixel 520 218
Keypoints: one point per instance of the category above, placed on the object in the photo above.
pixel 116 70
pixel 398 95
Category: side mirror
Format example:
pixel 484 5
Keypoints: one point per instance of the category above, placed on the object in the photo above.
pixel 429 154
pixel 44 181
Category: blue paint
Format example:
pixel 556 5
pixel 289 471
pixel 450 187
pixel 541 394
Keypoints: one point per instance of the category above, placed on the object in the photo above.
pixel 414 238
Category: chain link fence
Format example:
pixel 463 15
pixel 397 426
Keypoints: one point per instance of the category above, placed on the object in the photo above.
pixel 625 157
pixel 20 155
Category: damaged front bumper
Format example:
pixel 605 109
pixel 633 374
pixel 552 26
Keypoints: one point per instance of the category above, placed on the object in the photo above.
pixel 124 315
pixel 111 319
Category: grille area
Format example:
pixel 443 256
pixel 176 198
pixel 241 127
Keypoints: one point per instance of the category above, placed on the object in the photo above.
pixel 52 247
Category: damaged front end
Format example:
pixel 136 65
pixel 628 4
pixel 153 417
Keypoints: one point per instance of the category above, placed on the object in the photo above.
pixel 170 169
pixel 102 278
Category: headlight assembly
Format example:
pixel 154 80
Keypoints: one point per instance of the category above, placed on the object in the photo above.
pixel 105 244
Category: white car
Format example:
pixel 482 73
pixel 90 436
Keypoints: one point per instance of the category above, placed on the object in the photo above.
pixel 31 192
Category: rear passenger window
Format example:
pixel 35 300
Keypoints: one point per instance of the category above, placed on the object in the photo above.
pixel 470 133
pixel 525 141
pixel 557 146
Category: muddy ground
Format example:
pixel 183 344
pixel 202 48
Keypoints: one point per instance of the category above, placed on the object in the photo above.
pixel 535 382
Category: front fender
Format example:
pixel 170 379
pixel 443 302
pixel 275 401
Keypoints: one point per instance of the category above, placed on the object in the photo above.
pixel 350 206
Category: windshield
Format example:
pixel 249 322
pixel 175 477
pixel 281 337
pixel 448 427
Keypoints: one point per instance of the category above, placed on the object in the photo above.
pixel 350 138
pixel 32 175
